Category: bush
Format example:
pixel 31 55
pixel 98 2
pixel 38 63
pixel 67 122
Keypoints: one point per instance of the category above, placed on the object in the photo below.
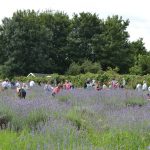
pixel 85 67
pixel 78 80
pixel 88 66
pixel 135 70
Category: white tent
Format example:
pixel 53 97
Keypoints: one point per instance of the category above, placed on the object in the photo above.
pixel 38 75
pixel 31 74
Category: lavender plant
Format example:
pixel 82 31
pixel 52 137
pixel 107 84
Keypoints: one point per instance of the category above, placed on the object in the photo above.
pixel 76 119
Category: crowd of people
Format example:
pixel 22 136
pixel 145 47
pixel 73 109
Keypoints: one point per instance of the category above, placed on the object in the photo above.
pixel 16 84
pixel 113 84
pixel 143 87
pixel 20 87
pixel 54 89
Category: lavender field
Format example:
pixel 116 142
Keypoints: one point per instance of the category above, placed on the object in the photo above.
pixel 75 120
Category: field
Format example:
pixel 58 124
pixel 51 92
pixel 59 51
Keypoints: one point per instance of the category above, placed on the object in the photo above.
pixel 75 120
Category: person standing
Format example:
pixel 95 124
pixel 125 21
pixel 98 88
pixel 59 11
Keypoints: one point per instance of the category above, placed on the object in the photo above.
pixel 123 82
pixel 31 83
pixel 48 87
pixel 144 86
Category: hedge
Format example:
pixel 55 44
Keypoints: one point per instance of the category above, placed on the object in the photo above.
pixel 78 80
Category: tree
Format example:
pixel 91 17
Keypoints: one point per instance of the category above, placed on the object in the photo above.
pixel 141 65
pixel 112 46
pixel 85 67
pixel 84 26
pixel 61 29
pixel 88 66
pixel 49 42
pixel 138 47
pixel 23 38
pixel 33 42
pixel 74 69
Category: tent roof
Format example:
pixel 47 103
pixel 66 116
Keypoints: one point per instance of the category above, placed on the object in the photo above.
pixel 38 75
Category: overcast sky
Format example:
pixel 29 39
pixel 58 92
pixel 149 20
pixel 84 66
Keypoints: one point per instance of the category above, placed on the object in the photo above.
pixel 137 11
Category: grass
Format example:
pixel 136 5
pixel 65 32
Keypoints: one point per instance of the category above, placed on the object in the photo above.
pixel 135 102
pixel 110 140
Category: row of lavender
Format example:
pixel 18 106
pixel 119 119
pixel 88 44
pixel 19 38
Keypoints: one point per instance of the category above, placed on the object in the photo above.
pixel 77 119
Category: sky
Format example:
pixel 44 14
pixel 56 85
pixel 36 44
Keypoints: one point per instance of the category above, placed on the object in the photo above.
pixel 137 11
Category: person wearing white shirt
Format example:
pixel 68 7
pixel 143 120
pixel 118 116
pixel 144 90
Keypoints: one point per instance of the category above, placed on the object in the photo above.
pixel 139 87
pixel 32 83
pixel 123 82
pixel 144 87
pixel 17 84
pixel 104 86
pixel 5 84
pixel 48 87
pixel 149 88
pixel 25 86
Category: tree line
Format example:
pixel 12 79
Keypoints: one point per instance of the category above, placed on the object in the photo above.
pixel 48 42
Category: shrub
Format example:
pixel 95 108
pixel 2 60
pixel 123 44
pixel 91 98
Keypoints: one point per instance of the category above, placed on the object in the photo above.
pixel 74 69
pixel 35 117
pixel 135 102
pixel 86 66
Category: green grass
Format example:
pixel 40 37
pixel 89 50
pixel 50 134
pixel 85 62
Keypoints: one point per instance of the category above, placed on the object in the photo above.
pixel 109 140
pixel 19 122
pixel 135 102
pixel 105 137
pixel 119 139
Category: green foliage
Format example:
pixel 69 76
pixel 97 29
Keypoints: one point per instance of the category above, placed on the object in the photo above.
pixel 138 47
pixel 35 117
pixel 29 40
pixel 78 80
pixel 74 69
pixel 144 62
pixel 125 139
pixel 111 47
pixel 88 66
pixel 50 140
pixel 135 70
pixel 6 112
pixel 83 27
pixel 18 123
pixel 47 42
pixel 141 65
pixel 109 140
pixel 78 118
pixel 135 102
pixel 85 67
pixel 22 140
